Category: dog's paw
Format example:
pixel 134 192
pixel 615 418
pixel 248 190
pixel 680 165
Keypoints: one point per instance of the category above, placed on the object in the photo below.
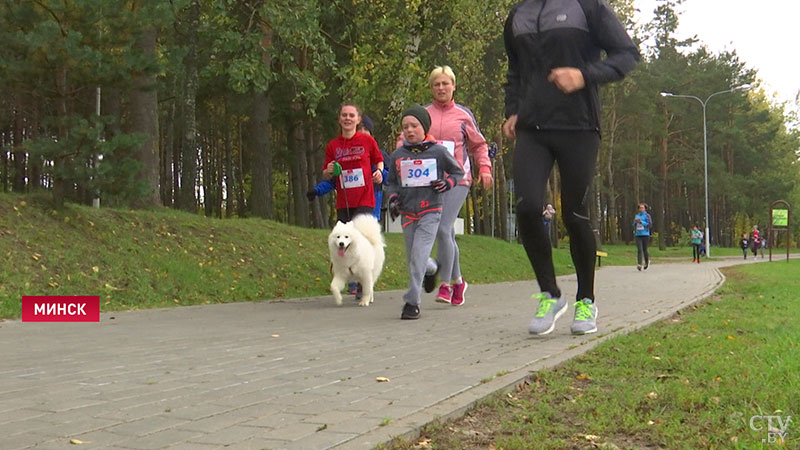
pixel 364 302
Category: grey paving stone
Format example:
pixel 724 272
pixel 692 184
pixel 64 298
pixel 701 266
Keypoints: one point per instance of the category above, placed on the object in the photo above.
pixel 148 425
pixel 233 435
pixel 159 439
pixel 213 423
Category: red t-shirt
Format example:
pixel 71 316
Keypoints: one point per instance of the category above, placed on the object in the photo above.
pixel 357 156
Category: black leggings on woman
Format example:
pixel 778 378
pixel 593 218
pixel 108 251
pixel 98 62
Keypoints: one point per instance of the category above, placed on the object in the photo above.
pixel 642 256
pixel 696 251
pixel 576 155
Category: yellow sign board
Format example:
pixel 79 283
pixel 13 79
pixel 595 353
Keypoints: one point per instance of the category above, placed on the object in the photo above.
pixel 780 217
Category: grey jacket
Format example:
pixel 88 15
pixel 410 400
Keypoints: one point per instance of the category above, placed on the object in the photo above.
pixel 407 165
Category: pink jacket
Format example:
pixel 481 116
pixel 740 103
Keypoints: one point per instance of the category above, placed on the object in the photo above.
pixel 454 126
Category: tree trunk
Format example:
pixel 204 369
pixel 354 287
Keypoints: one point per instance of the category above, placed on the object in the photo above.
pixel 315 160
pixel 35 163
pixel 486 212
pixel 611 218
pixel 230 177
pixel 501 188
pixel 167 156
pixel 144 120
pixel 241 202
pixel 298 150
pixel 472 222
pixel 59 183
pixel 661 216
pixel 18 154
pixel 259 146
pixel 188 200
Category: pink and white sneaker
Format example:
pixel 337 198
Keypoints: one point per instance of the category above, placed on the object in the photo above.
pixel 458 293
pixel 445 294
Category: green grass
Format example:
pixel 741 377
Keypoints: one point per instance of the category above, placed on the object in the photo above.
pixel 157 258
pixel 692 381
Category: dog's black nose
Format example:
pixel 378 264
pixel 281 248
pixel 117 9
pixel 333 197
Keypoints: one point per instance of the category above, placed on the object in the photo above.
pixel 341 244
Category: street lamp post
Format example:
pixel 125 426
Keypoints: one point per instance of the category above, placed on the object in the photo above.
pixel 705 144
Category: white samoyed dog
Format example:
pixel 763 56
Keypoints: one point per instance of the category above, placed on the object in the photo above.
pixel 357 255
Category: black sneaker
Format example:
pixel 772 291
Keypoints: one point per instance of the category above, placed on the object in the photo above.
pixel 429 281
pixel 410 312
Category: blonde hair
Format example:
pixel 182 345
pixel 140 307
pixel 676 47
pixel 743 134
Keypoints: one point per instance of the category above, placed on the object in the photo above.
pixel 442 70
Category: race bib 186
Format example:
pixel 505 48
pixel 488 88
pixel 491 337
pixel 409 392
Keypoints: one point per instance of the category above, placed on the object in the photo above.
pixel 352 178
pixel 417 172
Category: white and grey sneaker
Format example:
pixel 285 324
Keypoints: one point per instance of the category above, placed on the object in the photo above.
pixel 550 309
pixel 585 321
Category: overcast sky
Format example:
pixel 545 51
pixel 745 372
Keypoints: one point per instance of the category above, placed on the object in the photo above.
pixel 763 33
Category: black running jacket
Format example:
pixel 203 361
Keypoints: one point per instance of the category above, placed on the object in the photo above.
pixel 541 35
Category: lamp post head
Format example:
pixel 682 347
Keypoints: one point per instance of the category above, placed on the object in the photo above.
pixel 666 94
pixel 742 87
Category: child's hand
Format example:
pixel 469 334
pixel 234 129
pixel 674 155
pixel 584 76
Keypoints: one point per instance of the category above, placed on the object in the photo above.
pixel 440 185
pixel 394 206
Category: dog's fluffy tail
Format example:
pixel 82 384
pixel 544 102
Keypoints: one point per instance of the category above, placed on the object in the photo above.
pixel 368 226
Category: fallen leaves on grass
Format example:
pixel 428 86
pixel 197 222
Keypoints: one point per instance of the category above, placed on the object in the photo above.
pixel 424 443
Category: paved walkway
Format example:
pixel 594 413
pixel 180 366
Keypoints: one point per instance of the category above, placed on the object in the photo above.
pixel 298 374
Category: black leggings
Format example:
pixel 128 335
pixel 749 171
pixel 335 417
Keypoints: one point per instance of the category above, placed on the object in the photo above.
pixel 576 154
pixel 642 256
pixel 696 251
pixel 346 215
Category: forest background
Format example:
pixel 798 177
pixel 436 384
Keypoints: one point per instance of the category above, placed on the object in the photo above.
pixel 224 107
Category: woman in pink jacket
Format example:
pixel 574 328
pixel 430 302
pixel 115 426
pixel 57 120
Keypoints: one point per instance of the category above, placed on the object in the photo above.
pixel 454 126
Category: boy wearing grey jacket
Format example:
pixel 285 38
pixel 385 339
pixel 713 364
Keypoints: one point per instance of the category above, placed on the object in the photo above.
pixel 419 172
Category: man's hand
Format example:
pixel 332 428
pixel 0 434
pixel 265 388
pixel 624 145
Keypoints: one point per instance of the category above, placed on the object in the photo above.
pixel 394 206
pixel 311 195
pixel 567 79
pixel 510 127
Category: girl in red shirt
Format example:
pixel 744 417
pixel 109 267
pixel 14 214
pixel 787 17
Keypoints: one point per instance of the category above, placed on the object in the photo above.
pixel 349 159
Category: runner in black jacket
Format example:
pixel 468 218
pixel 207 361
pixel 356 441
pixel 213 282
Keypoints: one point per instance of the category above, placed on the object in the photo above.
pixel 554 52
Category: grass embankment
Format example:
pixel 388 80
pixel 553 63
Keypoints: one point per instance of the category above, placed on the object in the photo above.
pixel 146 259
pixel 705 378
